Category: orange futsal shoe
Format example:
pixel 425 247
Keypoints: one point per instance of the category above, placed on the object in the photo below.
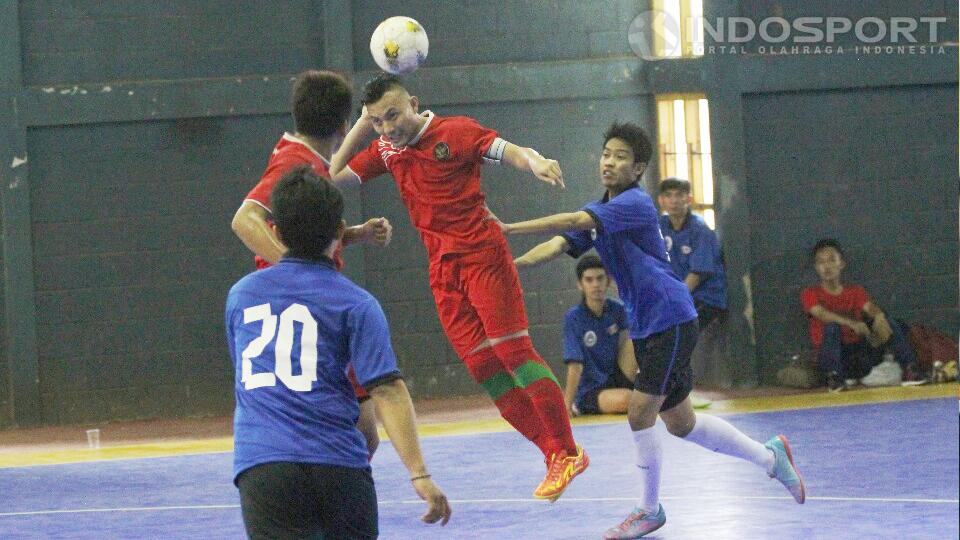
pixel 561 470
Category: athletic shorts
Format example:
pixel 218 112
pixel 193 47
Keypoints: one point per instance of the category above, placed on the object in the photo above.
pixel 664 362
pixel 590 402
pixel 285 500
pixel 478 296
pixel 706 314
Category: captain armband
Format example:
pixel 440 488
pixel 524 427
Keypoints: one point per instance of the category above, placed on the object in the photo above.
pixel 494 153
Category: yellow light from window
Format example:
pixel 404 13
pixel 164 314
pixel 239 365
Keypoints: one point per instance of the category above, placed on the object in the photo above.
pixel 680 140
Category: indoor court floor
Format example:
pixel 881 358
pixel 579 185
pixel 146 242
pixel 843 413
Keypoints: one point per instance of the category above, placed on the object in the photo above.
pixel 877 464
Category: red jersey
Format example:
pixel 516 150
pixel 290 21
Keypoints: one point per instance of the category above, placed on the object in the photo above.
pixel 849 303
pixel 438 176
pixel 290 152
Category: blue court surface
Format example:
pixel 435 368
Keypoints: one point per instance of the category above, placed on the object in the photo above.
pixel 885 470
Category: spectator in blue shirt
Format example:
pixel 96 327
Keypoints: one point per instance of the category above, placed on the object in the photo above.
pixel 695 254
pixel 597 347
pixel 300 462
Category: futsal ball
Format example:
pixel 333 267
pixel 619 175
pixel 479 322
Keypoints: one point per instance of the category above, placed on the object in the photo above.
pixel 399 45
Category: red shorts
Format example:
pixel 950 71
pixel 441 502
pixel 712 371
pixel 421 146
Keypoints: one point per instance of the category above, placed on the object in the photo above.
pixel 478 296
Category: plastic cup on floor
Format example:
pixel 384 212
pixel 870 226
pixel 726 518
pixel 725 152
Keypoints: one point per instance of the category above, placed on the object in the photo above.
pixel 93 439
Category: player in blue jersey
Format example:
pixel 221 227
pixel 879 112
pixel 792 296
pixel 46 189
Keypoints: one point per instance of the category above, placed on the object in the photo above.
pixel 596 347
pixel 300 462
pixel 624 229
pixel 694 251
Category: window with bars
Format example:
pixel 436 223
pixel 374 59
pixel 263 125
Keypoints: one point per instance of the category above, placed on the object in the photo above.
pixel 683 17
pixel 683 142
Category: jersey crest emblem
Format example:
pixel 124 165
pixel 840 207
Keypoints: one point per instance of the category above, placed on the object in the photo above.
pixel 441 151
pixel 590 338
pixel 686 250
pixel 593 234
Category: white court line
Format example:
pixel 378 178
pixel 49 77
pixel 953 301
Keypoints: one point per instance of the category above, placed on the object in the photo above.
pixel 485 501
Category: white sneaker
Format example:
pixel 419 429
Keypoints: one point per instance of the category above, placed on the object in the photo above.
pixel 886 373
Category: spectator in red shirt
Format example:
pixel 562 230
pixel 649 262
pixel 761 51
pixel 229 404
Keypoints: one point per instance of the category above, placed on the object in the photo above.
pixel 849 331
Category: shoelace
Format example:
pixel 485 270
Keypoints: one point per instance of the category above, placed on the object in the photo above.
pixel 556 464
pixel 631 519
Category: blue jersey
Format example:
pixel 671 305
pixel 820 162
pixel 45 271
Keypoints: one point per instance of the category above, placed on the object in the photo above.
pixel 292 329
pixel 628 240
pixel 695 248
pixel 594 342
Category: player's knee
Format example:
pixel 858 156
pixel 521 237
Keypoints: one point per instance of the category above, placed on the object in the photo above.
pixel 482 364
pixel 614 401
pixel 642 411
pixel 679 427
pixel 517 351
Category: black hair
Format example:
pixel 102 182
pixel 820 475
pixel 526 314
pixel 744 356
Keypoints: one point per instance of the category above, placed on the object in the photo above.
pixel 376 87
pixel 307 211
pixel 674 183
pixel 825 243
pixel 633 135
pixel 321 102
pixel 586 263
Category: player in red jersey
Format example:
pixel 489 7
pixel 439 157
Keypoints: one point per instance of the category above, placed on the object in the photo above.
pixel 436 163
pixel 321 110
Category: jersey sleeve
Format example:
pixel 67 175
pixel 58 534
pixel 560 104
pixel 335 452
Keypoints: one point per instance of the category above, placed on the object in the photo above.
pixel 631 210
pixel 474 141
pixel 808 298
pixel 371 353
pixel 571 342
pixel 275 171
pixel 367 164
pixel 706 251
pixel 580 242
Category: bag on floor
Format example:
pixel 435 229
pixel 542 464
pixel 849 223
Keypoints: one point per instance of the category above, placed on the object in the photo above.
pixel 931 345
pixel 800 372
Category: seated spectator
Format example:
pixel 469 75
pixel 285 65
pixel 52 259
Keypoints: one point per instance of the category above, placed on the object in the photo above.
pixel 694 251
pixel 849 331
pixel 597 348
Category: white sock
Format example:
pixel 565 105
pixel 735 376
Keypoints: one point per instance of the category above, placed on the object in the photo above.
pixel 718 435
pixel 649 457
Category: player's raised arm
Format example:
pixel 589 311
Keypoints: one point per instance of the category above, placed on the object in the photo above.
pixel 543 252
pixel 251 227
pixel 528 159
pixel 567 221
pixel 396 412
pixel 340 174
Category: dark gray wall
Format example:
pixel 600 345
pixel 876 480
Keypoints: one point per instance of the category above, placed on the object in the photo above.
pixel 145 123
pixel 132 257
pixel 860 166
pixel 88 41
pixel 476 32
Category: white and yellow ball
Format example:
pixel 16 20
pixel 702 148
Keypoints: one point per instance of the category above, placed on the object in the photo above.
pixel 399 45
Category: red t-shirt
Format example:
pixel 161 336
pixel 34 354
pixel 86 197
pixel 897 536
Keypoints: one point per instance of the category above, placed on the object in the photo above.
pixel 290 152
pixel 849 303
pixel 438 176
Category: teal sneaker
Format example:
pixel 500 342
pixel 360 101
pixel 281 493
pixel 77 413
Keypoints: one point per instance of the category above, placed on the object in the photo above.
pixel 638 523
pixel 784 469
